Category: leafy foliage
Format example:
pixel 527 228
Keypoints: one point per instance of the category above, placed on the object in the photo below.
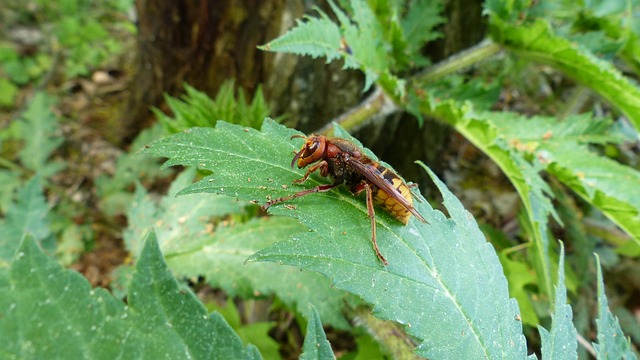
pixel 520 278
pixel 605 27
pixel 80 31
pixel 195 108
pixel 363 40
pixel 479 129
pixel 612 343
pixel 256 333
pixel 29 215
pixel 521 147
pixel 560 343
pixel 195 243
pixel 444 282
pixel 54 313
pixel 562 148
pixel 7 92
pixel 38 128
pixel 316 345
pixel 131 168
pixel 534 42
pixel 21 70
pixel 421 263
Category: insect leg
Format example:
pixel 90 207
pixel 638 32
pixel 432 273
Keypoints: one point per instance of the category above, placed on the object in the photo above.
pixel 322 165
pixel 372 217
pixel 319 188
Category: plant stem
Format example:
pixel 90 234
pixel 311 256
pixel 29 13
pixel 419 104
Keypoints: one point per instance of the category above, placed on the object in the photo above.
pixel 458 61
pixel 376 105
pixel 379 104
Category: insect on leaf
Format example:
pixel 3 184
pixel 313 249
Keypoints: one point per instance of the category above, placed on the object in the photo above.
pixel 443 281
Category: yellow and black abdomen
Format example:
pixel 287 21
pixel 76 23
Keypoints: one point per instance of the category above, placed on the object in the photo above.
pixel 388 202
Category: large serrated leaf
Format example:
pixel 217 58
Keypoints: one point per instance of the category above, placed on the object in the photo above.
pixel 439 274
pixel 561 342
pixel 193 247
pixel 316 37
pixel 357 40
pixel 433 283
pixel 608 185
pixel 532 132
pixel 479 129
pixel 612 343
pixel 561 148
pixel 52 313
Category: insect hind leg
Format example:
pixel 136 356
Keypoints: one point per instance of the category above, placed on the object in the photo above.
pixel 372 216
pixel 317 189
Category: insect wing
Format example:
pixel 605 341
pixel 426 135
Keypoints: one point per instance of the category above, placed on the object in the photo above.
pixel 372 174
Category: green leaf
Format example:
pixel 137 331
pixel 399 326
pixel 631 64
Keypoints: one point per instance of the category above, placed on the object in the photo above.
pixel 314 36
pixel 181 221
pixel 316 345
pixel 537 42
pixel 479 129
pixel 560 146
pixel 10 180
pixel 520 275
pixel 115 191
pixel 368 348
pixel 28 215
pixel 608 185
pixel 7 92
pixel 439 274
pixel 612 343
pixel 256 333
pixel 193 246
pixel 38 127
pixel 423 267
pixel 536 131
pixel 419 25
pixel 49 312
pixel 358 40
pixel 170 315
pixel 196 108
pixel 561 342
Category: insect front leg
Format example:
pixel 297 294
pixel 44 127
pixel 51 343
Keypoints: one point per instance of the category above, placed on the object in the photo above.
pixel 324 171
pixel 317 189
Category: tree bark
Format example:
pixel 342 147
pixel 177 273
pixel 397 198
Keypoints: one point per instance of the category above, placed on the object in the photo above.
pixel 204 43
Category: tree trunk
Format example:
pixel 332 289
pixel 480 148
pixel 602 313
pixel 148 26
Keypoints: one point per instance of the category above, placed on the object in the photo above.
pixel 204 43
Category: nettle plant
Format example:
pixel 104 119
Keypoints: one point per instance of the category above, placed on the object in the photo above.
pixel 444 283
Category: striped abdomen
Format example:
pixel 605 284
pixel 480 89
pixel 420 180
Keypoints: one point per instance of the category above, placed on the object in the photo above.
pixel 388 202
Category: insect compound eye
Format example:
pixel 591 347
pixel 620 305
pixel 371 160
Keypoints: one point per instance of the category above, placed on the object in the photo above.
pixel 312 148
pixel 317 150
